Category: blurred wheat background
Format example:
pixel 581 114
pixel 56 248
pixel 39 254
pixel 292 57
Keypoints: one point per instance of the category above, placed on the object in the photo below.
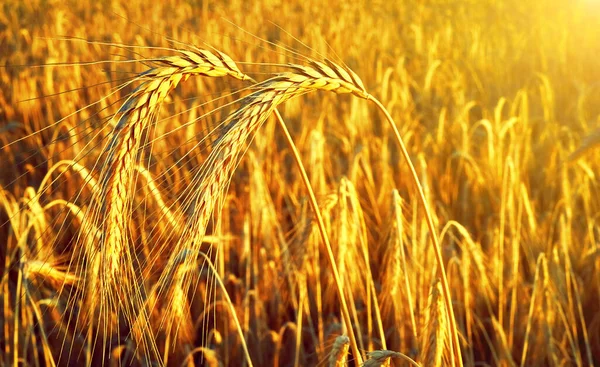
pixel 189 239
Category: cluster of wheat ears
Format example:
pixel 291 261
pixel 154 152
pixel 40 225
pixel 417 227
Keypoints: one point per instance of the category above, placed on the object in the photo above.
pixel 171 220
pixel 107 279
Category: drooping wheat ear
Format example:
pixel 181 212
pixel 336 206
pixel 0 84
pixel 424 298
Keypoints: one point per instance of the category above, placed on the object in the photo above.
pixel 434 335
pixel 135 115
pixel 113 260
pixel 241 125
pixel 339 351
pixel 321 73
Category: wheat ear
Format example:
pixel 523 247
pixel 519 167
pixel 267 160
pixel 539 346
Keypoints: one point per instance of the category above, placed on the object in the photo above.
pixel 136 114
pixel 113 276
pixel 241 125
pixel 434 336
pixel 339 352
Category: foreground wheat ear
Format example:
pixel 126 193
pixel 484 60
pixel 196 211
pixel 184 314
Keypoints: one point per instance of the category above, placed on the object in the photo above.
pixel 111 280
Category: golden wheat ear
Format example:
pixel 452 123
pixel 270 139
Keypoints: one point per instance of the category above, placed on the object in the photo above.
pixel 243 123
pixel 587 144
pixel 112 285
pixel 434 338
pixel 339 352
pixel 331 77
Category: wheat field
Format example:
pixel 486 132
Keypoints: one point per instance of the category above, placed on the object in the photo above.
pixel 299 183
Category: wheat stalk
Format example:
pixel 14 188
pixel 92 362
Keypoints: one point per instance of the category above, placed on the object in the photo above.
pixel 456 357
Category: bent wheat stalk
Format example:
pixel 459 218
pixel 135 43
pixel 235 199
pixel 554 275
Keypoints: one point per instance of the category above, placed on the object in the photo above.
pixel 244 122
pixel 350 83
pixel 240 126
pixel 324 237
pixel 455 342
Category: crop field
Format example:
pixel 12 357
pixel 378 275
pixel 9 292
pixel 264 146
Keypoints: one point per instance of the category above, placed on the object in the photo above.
pixel 299 183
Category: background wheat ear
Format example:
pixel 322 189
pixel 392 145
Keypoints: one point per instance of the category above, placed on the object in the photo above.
pixel 339 351
pixel 435 330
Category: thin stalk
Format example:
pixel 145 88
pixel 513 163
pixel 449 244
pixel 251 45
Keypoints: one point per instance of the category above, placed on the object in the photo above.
pixel 455 345
pixel 231 308
pixel 17 314
pixel 321 224
pixel 302 290
pixel 400 228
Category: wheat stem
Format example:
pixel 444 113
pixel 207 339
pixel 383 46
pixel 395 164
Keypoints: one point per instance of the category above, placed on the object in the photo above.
pixel 455 344
pixel 324 237
pixel 236 321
